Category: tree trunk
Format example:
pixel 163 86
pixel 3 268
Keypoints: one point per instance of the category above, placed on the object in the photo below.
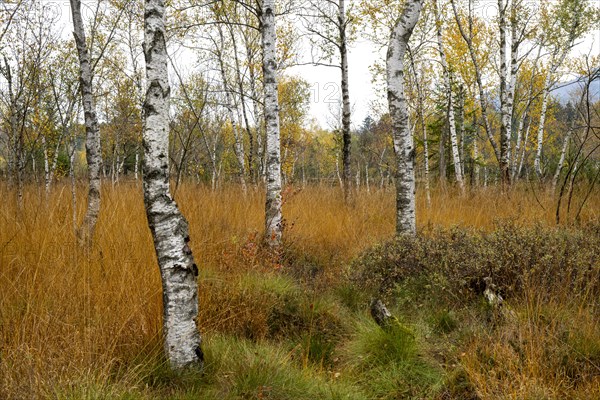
pixel 237 135
pixel 169 228
pixel 524 150
pixel 478 78
pixel 537 163
pixel 346 138
pixel 451 112
pixel 402 136
pixel 273 218
pixel 92 144
pixel 505 103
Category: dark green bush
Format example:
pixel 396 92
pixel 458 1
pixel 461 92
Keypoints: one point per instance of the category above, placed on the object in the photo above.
pixel 455 262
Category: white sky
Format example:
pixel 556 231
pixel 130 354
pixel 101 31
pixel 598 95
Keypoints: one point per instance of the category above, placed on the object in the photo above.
pixel 325 81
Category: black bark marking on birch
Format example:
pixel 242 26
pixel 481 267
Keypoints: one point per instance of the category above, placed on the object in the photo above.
pixel 199 354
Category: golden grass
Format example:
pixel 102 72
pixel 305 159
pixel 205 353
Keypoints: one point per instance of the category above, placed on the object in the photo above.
pixel 69 314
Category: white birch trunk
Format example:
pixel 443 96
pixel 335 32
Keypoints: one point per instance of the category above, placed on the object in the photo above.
pixel 512 79
pixel 524 150
pixel 137 161
pixel 169 228
pixel 561 161
pixel 403 140
pixel 273 217
pixel 476 162
pixel 515 162
pixel 71 149
pixel 451 112
pixel 92 144
pixel 505 103
pixel 537 163
pixel 346 113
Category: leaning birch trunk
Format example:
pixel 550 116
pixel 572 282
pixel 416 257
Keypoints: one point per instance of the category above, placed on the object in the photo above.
pixel 273 218
pixel 451 112
pixel 403 140
pixel 346 113
pixel 92 143
pixel 169 228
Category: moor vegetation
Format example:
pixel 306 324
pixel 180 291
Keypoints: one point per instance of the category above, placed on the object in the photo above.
pixel 433 234
pixel 85 323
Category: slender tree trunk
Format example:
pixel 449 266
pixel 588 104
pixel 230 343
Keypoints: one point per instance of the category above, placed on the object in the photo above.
pixel 468 38
pixel 402 136
pixel 169 228
pixel 92 144
pixel 561 161
pixel 238 139
pixel 367 177
pixel 461 116
pixel 520 142
pixel 346 138
pixel 46 166
pixel 240 86
pixel 537 163
pixel 442 157
pixel 137 161
pixel 524 150
pixel 505 103
pixel 73 182
pixel 451 111
pixel 273 217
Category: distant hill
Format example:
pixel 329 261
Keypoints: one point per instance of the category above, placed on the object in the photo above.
pixel 567 91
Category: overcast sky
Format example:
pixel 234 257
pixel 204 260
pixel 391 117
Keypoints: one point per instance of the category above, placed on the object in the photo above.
pixel 325 81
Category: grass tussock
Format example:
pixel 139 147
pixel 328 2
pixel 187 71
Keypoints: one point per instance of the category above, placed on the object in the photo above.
pixel 86 323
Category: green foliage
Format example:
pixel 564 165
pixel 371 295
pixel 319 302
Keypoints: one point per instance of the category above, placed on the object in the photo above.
pixel 455 262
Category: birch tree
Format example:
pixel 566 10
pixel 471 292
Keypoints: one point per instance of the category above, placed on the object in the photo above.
pixel 273 217
pixel 330 26
pixel 451 113
pixel 92 144
pixel 402 135
pixel 168 226
pixel 567 22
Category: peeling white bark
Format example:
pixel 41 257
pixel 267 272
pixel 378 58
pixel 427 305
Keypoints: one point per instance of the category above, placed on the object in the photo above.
pixel 168 226
pixel 273 218
pixel 451 112
pixel 402 136
pixel 92 143
pixel 505 98
pixel 346 113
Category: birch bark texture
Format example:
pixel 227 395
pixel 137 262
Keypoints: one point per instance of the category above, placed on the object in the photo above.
pixel 403 141
pixel 451 113
pixel 346 112
pixel 168 226
pixel 273 217
pixel 92 143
